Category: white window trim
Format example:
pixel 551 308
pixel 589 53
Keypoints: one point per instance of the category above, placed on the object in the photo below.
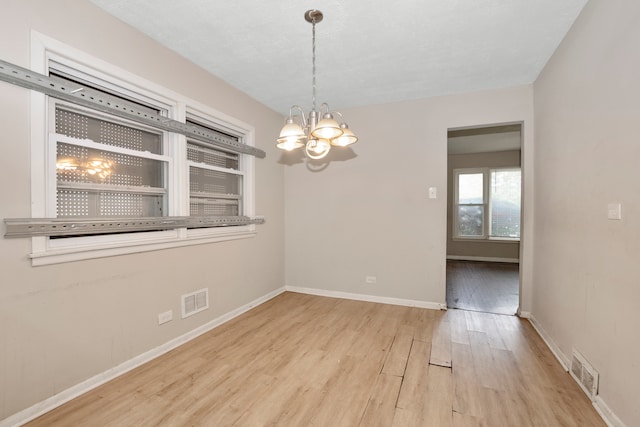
pixel 46 251
pixel 486 206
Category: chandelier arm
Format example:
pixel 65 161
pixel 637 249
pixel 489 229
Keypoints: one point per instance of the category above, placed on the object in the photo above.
pixel 326 108
pixel 299 108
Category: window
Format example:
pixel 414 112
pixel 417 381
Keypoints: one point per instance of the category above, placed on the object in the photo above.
pixel 215 179
pixel 106 167
pixel 189 166
pixel 487 193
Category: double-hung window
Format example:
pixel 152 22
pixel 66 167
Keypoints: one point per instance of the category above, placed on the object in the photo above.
pixel 215 177
pixel 106 167
pixel 165 171
pixel 487 203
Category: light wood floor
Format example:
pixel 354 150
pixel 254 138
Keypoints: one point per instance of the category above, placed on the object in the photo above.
pixel 301 360
pixel 491 287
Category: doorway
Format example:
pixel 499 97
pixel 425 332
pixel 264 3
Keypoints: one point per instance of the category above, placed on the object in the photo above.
pixel 483 218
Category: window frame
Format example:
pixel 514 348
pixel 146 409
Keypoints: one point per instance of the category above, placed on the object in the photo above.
pixel 55 138
pixel 456 205
pixel 486 205
pixel 44 250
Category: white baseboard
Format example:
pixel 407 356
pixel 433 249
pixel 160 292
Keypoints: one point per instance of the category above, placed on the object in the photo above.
pixel 601 407
pixel 367 298
pixel 564 360
pixel 483 258
pixel 525 315
pixel 606 413
pixel 65 396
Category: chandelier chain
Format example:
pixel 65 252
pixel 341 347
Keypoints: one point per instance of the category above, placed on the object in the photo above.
pixel 313 49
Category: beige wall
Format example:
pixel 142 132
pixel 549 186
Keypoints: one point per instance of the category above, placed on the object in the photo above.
pixel 587 274
pixel 371 215
pixel 62 324
pixel 478 248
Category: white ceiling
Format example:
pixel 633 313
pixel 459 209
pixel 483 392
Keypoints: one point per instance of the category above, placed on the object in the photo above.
pixel 368 52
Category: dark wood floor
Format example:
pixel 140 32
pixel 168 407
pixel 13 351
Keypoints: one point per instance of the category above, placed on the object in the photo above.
pixel 489 287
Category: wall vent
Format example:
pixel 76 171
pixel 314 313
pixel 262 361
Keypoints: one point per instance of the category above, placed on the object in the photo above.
pixel 584 374
pixel 195 302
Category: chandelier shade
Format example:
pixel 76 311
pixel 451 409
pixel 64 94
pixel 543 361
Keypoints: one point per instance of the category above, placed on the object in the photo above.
pixel 327 128
pixel 292 136
pixel 347 137
pixel 317 136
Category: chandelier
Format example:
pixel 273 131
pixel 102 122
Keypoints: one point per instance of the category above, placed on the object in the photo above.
pixel 317 136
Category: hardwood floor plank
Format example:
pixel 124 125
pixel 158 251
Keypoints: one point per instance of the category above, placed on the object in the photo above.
pixel 382 404
pixel 397 359
pixel 458 324
pixel 464 420
pixel 485 367
pixel 431 404
pixel 414 384
pixel 438 404
pixel 485 322
pixel 466 388
pixel 441 341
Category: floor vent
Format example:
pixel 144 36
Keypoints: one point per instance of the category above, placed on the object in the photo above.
pixel 195 302
pixel 584 374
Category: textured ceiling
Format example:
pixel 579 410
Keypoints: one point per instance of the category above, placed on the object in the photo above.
pixel 367 52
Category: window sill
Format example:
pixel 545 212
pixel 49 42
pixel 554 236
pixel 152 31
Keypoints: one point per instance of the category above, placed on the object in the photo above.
pixel 486 240
pixel 54 253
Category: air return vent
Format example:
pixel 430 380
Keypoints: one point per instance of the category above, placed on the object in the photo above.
pixel 195 302
pixel 584 374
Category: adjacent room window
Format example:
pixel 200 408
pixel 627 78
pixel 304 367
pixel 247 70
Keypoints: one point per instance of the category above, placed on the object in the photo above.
pixel 487 204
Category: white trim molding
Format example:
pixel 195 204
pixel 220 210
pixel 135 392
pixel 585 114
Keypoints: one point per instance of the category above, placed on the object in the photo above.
pixel 606 413
pixel 483 258
pixel 560 356
pixel 608 416
pixel 367 298
pixel 67 395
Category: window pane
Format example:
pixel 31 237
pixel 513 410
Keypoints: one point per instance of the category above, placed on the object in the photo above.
pixel 77 164
pixel 214 192
pixel 470 221
pixel 94 203
pixel 106 132
pixel 505 203
pixel 209 156
pixel 470 188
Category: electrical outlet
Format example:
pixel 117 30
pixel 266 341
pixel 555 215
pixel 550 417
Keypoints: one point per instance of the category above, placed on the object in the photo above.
pixel 614 211
pixel 370 279
pixel 165 317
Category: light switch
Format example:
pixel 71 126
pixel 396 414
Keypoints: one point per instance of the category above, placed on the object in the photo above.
pixel 614 211
pixel 433 192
